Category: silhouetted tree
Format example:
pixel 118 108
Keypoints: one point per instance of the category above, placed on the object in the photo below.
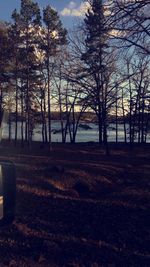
pixel 55 36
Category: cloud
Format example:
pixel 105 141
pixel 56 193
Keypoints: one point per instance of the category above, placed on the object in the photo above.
pixel 72 5
pixel 73 10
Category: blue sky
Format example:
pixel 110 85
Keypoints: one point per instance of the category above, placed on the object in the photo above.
pixel 70 11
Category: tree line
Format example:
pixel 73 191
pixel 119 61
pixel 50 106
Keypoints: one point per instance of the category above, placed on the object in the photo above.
pixel 100 66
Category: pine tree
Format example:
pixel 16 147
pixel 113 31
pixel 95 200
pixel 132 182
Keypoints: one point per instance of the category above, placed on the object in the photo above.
pixel 5 68
pixel 55 36
pixel 27 22
pixel 96 58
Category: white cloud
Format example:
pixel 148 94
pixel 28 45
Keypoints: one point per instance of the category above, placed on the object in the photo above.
pixel 66 12
pixel 75 11
pixel 72 5
pixel 116 33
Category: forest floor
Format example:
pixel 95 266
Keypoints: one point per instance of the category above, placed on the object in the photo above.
pixel 77 207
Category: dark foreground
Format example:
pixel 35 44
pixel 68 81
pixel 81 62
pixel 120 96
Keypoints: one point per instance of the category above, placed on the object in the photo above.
pixel 77 207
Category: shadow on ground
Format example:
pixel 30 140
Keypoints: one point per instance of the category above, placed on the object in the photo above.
pixel 79 210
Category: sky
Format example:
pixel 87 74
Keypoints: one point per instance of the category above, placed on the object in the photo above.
pixel 70 11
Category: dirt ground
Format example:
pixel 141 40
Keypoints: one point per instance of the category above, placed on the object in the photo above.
pixel 77 207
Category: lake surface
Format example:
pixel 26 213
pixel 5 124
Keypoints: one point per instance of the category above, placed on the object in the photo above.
pixel 83 135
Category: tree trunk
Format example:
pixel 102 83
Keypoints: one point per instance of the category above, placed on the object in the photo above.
pixel 49 91
pixel 124 120
pixel 116 114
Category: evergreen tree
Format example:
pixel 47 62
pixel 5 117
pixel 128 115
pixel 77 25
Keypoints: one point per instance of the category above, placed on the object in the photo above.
pixel 27 22
pixel 97 60
pixel 54 37
pixel 5 66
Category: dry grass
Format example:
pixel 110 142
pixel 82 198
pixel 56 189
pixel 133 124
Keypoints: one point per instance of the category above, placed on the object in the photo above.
pixel 77 207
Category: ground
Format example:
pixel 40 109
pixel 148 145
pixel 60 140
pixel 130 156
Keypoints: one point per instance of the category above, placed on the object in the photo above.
pixel 77 207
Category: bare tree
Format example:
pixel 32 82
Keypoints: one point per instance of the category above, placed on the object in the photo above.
pixel 130 24
pixel 70 93
pixel 137 90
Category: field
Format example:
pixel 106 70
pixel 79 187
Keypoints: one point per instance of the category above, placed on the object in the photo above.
pixel 77 207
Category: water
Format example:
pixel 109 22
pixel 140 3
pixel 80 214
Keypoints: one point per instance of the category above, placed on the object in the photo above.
pixel 90 135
